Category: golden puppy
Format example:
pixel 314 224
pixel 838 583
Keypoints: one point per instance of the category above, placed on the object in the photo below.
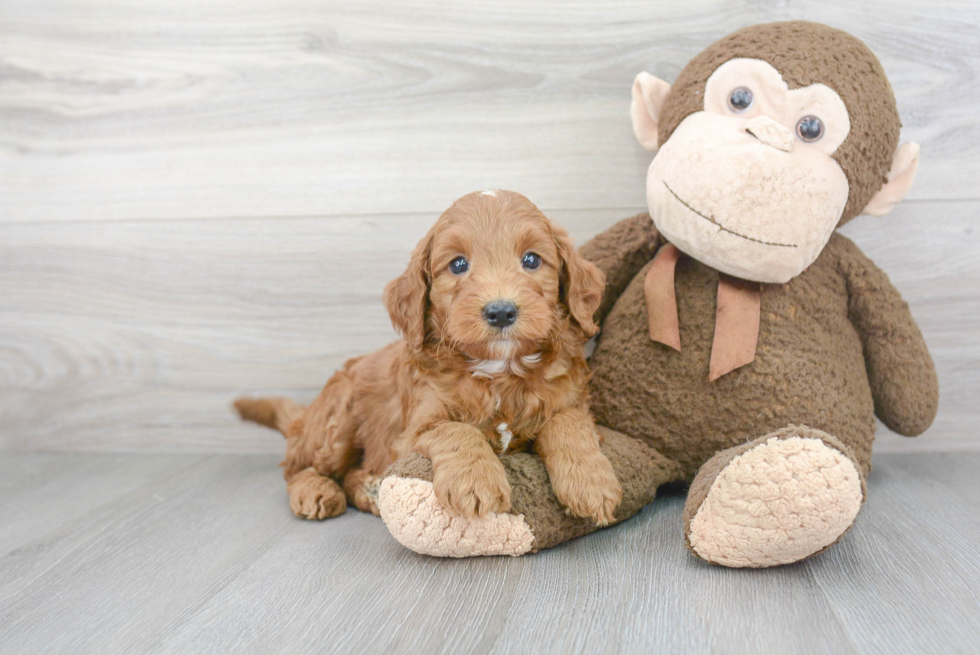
pixel 494 310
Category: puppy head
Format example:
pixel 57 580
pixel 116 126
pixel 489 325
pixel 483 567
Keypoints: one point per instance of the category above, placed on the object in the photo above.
pixel 494 279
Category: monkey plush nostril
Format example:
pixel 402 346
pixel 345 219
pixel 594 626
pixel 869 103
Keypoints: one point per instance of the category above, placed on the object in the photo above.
pixel 500 313
pixel 770 132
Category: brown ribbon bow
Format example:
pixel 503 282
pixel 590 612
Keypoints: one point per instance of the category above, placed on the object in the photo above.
pixel 736 319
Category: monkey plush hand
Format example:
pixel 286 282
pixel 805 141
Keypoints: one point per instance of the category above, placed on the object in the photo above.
pixel 746 347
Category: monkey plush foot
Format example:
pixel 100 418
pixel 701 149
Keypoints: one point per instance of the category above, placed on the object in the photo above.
pixel 776 500
pixel 416 519
pixel 537 520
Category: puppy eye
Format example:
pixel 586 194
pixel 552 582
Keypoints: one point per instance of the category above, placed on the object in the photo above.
pixel 531 261
pixel 809 129
pixel 459 266
pixel 740 99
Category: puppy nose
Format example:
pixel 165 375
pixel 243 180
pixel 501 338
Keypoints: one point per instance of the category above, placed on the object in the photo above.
pixel 500 313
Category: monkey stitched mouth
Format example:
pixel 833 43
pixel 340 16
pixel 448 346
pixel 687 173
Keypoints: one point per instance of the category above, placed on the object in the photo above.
pixel 725 229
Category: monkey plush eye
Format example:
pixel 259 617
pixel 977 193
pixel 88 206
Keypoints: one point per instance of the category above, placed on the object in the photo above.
pixel 531 261
pixel 809 129
pixel 459 266
pixel 740 99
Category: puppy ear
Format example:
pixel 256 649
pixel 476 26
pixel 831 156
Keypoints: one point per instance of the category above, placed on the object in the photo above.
pixel 582 283
pixel 407 296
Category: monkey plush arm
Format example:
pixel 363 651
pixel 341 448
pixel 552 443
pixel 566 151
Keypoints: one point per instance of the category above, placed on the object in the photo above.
pixel 901 372
pixel 620 252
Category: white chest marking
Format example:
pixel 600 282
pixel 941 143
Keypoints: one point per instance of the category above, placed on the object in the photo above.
pixel 505 436
pixel 488 368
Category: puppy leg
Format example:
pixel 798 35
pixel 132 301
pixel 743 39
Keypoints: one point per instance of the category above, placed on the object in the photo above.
pixel 328 423
pixel 468 478
pixel 319 445
pixel 361 489
pixel 314 496
pixel 322 437
pixel 581 476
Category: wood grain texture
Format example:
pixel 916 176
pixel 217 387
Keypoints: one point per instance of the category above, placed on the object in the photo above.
pixel 137 335
pixel 204 556
pixel 130 335
pixel 112 109
pixel 200 200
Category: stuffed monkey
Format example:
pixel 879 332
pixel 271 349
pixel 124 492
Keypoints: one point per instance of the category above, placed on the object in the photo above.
pixel 746 347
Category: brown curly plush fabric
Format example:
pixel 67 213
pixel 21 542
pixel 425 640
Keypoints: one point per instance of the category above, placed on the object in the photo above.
pixel 822 360
pixel 808 53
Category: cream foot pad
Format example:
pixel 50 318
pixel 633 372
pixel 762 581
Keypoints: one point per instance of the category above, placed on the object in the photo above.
pixel 777 503
pixel 417 520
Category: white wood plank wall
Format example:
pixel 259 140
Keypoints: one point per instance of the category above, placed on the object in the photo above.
pixel 199 199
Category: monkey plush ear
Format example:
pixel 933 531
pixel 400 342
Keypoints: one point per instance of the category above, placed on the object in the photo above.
pixel 900 177
pixel 649 93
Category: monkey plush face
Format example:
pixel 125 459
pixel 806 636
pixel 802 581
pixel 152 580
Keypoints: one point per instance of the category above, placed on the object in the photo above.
pixel 767 143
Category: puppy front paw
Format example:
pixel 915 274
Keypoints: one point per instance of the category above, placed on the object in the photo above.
pixel 476 487
pixel 587 486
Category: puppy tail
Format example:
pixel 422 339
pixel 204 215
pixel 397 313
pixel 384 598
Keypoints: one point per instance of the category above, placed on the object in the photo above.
pixel 275 413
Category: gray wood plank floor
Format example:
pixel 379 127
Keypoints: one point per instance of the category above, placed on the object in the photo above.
pixel 111 553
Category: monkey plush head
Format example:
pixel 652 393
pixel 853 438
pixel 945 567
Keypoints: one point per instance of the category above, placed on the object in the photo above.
pixel 769 140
